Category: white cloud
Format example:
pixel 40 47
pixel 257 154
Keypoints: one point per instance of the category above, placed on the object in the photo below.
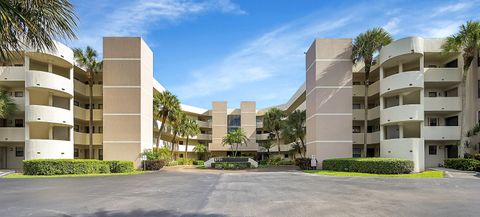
pixel 459 6
pixel 276 53
pixel 137 17
pixel 392 26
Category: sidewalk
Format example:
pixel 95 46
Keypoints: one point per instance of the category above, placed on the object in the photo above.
pixel 451 173
pixel 6 172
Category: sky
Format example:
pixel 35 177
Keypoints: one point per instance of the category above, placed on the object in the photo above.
pixel 251 50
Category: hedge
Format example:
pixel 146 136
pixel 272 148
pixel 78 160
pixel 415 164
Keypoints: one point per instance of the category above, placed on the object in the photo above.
pixel 231 165
pixel 198 162
pixel 304 163
pixel 369 165
pixel 71 166
pixel 154 164
pixel 462 164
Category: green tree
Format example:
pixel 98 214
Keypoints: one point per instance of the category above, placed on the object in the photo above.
pixel 235 139
pixel 201 149
pixel 466 41
pixel 273 121
pixel 267 145
pixel 365 45
pixel 165 105
pixel 190 129
pixel 295 130
pixel 7 105
pixel 177 122
pixel 34 24
pixel 88 60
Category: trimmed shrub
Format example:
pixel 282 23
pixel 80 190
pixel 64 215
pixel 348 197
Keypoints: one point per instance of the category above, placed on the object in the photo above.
pixel 274 160
pixel 198 162
pixel 183 161
pixel 172 163
pixel 263 162
pixel 462 164
pixel 304 163
pixel 74 166
pixel 286 162
pixel 154 164
pixel 231 165
pixel 369 165
pixel 476 156
pixel 120 166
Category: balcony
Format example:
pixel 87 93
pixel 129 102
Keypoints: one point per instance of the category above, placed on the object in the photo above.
pixel 442 104
pixel 263 136
pixel 12 73
pixel 412 46
pixel 20 102
pixel 84 89
pixel 373 113
pixel 359 90
pixel 204 124
pixel 372 138
pixel 49 114
pixel 402 113
pixel 46 80
pixel 443 75
pixel 84 114
pixel 62 55
pixel 401 82
pixel 48 149
pixel 441 132
pixel 203 137
pixel 12 134
pixel 84 138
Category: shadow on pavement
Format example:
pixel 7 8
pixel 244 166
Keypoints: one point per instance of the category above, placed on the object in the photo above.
pixel 144 213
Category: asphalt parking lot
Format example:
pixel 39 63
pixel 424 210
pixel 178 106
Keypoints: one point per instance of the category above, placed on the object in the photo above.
pixel 200 193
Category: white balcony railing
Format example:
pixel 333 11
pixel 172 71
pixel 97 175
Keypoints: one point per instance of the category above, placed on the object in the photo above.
pixel 12 73
pixel 443 75
pixel 40 79
pixel 441 132
pixel 402 113
pixel 402 81
pixel 49 114
pixel 442 104
pixel 12 134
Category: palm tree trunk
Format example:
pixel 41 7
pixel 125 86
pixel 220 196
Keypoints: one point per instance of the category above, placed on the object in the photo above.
pixel 365 121
pixel 90 122
pixel 303 149
pixel 173 145
pixel 186 148
pixel 164 118
pixel 462 114
pixel 278 142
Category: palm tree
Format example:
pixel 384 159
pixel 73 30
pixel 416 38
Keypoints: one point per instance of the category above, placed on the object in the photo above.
pixel 200 149
pixel 177 122
pixel 34 24
pixel 267 145
pixel 7 106
pixel 467 41
pixel 190 129
pixel 235 139
pixel 88 60
pixel 365 45
pixel 273 122
pixel 165 104
pixel 295 130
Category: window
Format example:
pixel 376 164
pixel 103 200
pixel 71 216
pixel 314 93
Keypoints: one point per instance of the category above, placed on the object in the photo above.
pixel 285 156
pixel 357 106
pixel 356 83
pixel 433 122
pixel 357 152
pixel 432 94
pixel 19 152
pixel 234 122
pixel 87 106
pixel 18 122
pixel 76 103
pixel 18 93
pixel 180 142
pixel 259 132
pixel 100 129
pixel 181 155
pixel 87 129
pixel 356 129
pixel 432 150
pixel 100 154
pixel 100 106
pixel 76 128
pixel 75 152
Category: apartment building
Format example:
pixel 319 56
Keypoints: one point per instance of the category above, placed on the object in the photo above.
pixel 414 109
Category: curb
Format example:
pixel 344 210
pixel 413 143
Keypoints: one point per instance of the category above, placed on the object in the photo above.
pixel 6 173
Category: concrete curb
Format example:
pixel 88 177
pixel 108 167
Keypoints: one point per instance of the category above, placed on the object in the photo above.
pixel 6 173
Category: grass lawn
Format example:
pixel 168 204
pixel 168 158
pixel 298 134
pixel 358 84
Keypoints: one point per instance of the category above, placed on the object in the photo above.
pixel 21 176
pixel 425 174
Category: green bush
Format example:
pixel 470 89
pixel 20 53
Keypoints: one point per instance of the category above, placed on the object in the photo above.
pixel 274 160
pixel 185 161
pixel 120 166
pixel 286 162
pixel 369 165
pixel 231 165
pixel 462 164
pixel 304 163
pixel 476 156
pixel 263 162
pixel 154 164
pixel 172 163
pixel 74 166
pixel 198 162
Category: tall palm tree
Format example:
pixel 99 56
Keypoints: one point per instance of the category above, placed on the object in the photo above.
pixel 235 139
pixel 200 149
pixel 467 41
pixel 295 129
pixel 165 104
pixel 34 24
pixel 273 122
pixel 7 105
pixel 88 60
pixel 177 122
pixel 365 45
pixel 190 129
pixel 267 145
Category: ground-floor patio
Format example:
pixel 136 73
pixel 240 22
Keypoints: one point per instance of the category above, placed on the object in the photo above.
pixel 174 192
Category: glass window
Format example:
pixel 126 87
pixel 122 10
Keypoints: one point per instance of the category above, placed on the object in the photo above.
pixel 100 154
pixel 357 106
pixel 18 93
pixel 433 122
pixel 19 123
pixel 100 129
pixel 432 150
pixel 356 129
pixel 76 103
pixel 234 122
pixel 100 106
pixel 432 94
pixel 76 128
pixel 75 152
pixel 357 152
pixel 19 152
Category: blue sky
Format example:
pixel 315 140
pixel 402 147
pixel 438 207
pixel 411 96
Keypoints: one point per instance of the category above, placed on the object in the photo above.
pixel 238 50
